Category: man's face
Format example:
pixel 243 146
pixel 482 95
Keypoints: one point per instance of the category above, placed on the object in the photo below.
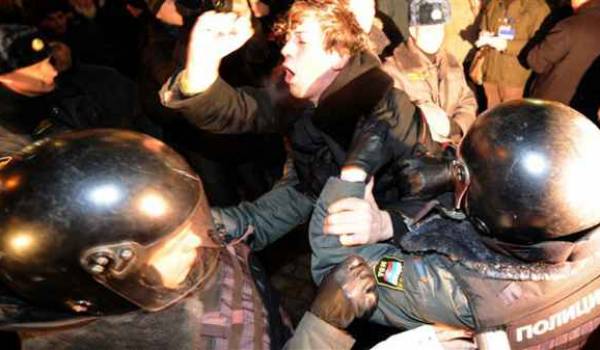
pixel 364 11
pixel 309 68
pixel 34 80
pixel 175 259
pixel 55 22
pixel 428 38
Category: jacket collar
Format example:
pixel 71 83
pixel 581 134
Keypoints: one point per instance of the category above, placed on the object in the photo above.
pixel 357 65
pixel 354 93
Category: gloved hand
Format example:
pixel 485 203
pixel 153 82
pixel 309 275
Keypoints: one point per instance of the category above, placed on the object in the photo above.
pixel 346 293
pixel 425 177
pixel 367 153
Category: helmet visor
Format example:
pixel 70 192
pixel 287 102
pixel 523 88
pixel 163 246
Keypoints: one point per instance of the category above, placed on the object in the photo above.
pixel 155 276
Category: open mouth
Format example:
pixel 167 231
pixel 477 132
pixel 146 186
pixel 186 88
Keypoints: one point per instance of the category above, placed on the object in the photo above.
pixel 289 75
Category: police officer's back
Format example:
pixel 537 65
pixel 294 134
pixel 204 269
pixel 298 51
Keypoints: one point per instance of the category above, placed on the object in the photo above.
pixel 526 261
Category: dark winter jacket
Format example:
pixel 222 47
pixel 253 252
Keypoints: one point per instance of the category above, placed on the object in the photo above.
pixel 320 137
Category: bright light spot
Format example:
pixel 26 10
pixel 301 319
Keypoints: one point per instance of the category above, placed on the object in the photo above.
pixel 21 242
pixel 12 182
pixel 535 163
pixel 105 195
pixel 153 204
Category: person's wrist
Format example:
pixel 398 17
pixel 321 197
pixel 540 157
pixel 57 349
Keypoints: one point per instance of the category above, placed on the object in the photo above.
pixel 193 82
pixel 353 174
pixel 387 228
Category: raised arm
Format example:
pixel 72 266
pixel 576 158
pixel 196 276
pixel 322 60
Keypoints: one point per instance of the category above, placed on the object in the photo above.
pixel 202 96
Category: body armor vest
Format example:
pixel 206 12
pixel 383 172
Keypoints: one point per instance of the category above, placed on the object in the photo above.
pixel 539 305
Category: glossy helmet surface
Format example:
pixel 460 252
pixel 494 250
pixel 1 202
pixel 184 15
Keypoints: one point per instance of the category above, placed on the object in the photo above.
pixel 533 171
pixel 81 213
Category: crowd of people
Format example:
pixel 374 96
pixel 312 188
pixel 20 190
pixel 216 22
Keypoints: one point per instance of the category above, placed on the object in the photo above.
pixel 442 154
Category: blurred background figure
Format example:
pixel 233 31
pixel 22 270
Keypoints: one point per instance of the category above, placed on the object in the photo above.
pixel 506 27
pixel 562 58
pixel 587 96
pixel 463 27
pixel 432 77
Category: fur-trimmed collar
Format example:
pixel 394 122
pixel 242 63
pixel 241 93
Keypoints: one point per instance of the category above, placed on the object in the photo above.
pixel 462 243
pixel 354 93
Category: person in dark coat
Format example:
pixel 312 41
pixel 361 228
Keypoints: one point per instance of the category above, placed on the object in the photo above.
pixel 565 54
pixel 345 102
pixel 26 78
pixel 35 101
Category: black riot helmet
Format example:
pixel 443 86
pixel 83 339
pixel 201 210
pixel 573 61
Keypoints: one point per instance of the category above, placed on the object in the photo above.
pixel 91 220
pixel 530 171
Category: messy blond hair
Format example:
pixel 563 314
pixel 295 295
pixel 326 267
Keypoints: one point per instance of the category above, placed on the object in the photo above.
pixel 341 30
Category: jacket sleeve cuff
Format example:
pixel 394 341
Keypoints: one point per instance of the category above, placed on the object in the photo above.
pixel 399 225
pixel 171 93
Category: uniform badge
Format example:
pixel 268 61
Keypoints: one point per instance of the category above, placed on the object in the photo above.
pixel 37 44
pixel 388 273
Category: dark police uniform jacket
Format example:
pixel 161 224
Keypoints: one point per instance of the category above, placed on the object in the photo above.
pixel 545 296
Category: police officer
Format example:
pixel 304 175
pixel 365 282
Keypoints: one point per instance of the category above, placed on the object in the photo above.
pixel 107 241
pixel 35 104
pixel 431 76
pixel 26 76
pixel 524 267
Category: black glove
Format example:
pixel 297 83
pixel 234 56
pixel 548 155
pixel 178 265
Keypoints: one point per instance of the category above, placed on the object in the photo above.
pixel 425 177
pixel 347 292
pixel 368 150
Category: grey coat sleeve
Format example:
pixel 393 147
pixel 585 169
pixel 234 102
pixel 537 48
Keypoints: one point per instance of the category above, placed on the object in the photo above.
pixel 222 108
pixel 327 252
pixel 426 292
pixel 267 219
pixel 314 333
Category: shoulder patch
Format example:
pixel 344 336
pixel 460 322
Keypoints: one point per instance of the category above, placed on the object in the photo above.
pixel 388 273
